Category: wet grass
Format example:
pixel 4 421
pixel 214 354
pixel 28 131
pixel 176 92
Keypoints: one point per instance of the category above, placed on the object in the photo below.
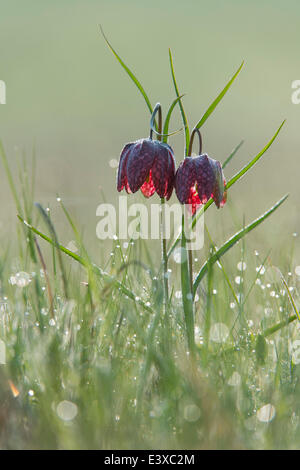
pixel 92 363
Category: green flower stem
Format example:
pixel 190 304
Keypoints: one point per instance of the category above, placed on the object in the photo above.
pixel 187 296
pixel 156 110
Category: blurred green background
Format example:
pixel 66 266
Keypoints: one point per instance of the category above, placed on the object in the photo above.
pixel 68 96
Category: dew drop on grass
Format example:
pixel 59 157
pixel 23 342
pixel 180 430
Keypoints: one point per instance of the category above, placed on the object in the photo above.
pixel 178 294
pixel 266 413
pixel 238 280
pixel 261 270
pixel 232 305
pixel 21 279
pixel 179 255
pixel 241 266
pixel 219 332
pixel 66 410
pixel 72 246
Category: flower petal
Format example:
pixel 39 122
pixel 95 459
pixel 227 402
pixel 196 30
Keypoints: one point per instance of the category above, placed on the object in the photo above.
pixel 139 163
pixel 185 179
pixel 219 184
pixel 171 173
pixel 161 170
pixel 122 174
pixel 148 188
pixel 193 201
pixel 205 177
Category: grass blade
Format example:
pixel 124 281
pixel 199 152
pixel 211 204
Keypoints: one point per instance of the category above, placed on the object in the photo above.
pixel 128 71
pixel 168 117
pixel 183 116
pixel 218 99
pixel 81 261
pixel 56 244
pixel 254 160
pixel 233 240
pixel 234 151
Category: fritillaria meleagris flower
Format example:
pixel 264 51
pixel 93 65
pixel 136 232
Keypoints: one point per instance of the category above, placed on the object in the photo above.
pixel 148 165
pixel 198 179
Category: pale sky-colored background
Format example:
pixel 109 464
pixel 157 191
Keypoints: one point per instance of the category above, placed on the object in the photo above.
pixel 67 94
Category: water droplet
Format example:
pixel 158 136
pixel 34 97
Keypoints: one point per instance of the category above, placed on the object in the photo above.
pixel 191 413
pixel 21 279
pixel 72 246
pixel 179 255
pixel 241 266
pixel 66 410
pixel 261 270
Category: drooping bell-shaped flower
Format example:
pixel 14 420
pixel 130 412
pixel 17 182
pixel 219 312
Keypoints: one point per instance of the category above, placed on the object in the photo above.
pixel 200 178
pixel 148 165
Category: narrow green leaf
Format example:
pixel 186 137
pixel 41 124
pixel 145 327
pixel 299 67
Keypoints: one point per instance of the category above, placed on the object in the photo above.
pixel 56 244
pixel 187 297
pixel 233 240
pixel 291 299
pixel 183 116
pixel 128 71
pixel 218 99
pixel 254 160
pixel 230 183
pixel 168 117
pixel 234 151
pixel 81 261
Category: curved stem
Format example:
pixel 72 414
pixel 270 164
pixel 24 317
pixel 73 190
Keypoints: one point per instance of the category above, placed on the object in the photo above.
pixel 195 131
pixel 156 110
